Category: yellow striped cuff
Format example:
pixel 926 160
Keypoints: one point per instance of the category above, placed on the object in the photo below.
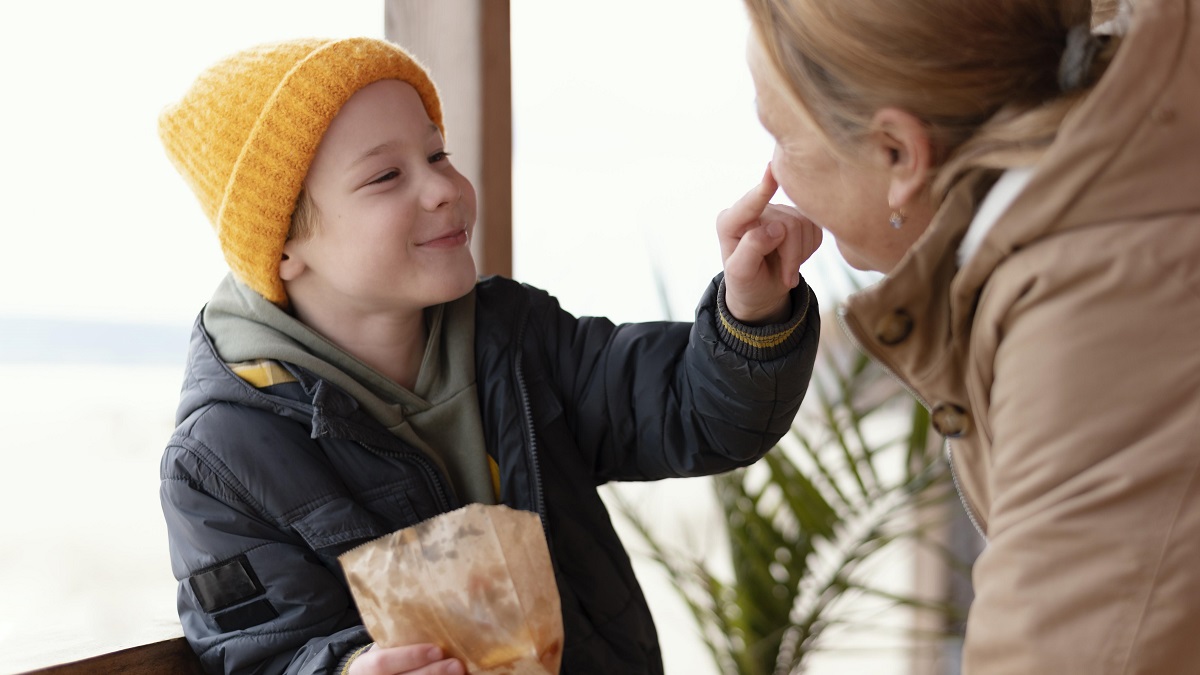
pixel 759 341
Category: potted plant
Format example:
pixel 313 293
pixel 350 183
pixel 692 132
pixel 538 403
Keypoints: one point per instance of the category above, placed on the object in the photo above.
pixel 859 474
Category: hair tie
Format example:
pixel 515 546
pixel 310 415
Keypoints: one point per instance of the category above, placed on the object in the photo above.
pixel 1077 58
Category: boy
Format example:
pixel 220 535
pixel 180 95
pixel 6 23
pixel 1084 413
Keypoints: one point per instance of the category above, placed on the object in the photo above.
pixel 352 376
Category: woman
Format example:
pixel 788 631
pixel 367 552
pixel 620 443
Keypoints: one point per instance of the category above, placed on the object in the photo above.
pixel 1029 188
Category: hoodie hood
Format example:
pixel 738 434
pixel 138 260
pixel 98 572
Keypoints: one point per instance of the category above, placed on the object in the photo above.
pixel 243 326
pixel 440 416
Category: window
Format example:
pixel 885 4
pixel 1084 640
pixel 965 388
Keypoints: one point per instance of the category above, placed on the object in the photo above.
pixel 107 259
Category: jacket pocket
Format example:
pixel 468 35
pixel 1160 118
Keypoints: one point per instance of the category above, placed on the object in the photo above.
pixel 337 525
pixel 394 503
pixel 345 521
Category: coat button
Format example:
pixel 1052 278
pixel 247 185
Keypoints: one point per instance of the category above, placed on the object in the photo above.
pixel 950 420
pixel 894 328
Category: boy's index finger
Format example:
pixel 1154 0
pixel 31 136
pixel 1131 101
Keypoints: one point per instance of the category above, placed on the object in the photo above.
pixel 751 205
pixel 766 188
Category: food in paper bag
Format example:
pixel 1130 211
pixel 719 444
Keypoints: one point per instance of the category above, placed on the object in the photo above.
pixel 477 582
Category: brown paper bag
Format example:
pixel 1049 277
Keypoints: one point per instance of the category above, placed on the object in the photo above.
pixel 477 582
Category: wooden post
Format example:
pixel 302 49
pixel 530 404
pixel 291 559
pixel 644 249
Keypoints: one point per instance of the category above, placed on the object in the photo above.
pixel 465 46
pixel 1105 10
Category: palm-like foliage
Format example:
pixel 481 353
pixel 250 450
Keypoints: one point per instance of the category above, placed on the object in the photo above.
pixel 848 481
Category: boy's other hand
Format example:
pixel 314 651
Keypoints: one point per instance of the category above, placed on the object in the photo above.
pixel 409 660
pixel 762 246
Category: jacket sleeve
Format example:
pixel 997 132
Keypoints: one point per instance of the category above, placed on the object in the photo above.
pixel 252 597
pixel 674 399
pixel 1094 523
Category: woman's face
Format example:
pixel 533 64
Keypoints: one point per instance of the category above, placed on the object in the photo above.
pixel 845 196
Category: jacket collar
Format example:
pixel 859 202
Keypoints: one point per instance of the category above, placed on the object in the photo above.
pixel 1129 151
pixel 903 320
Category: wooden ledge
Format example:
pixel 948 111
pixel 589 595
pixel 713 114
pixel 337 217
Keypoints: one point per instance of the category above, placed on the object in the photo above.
pixel 173 656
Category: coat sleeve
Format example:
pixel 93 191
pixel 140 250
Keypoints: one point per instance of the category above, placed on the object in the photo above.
pixel 252 598
pixel 1094 525
pixel 674 399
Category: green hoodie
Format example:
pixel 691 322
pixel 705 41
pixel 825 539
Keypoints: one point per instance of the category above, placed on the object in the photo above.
pixel 440 416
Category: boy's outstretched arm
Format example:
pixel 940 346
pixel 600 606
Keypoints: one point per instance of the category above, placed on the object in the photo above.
pixel 655 400
pixel 762 247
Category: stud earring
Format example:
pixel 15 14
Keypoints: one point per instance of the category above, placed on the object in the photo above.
pixel 897 218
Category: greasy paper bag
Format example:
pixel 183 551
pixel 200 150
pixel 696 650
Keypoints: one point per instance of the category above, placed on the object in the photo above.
pixel 477 582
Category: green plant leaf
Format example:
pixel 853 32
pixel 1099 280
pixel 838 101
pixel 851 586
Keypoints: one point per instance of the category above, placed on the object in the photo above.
pixel 803 524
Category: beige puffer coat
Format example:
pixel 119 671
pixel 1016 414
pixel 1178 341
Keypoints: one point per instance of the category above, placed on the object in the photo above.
pixel 1063 361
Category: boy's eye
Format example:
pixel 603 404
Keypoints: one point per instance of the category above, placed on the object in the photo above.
pixel 438 156
pixel 385 177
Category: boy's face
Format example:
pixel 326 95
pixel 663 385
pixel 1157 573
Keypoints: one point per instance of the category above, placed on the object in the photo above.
pixel 394 217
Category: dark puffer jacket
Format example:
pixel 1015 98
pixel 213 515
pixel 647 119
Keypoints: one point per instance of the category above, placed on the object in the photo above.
pixel 263 488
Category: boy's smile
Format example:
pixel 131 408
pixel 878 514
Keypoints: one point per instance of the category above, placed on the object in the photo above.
pixel 394 217
pixel 448 240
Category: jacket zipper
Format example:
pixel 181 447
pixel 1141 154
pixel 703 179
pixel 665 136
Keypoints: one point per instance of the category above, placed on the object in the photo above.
pixel 841 316
pixel 427 466
pixel 958 489
pixel 519 373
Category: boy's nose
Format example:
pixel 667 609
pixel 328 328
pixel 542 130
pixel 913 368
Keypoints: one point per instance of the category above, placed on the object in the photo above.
pixel 440 189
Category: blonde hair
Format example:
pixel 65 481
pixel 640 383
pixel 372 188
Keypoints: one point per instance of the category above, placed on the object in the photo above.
pixel 981 74
pixel 305 217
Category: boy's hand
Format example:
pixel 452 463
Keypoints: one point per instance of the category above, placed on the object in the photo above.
pixel 411 660
pixel 762 246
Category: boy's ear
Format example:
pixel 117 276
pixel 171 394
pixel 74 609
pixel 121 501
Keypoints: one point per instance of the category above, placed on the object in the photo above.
pixel 902 143
pixel 291 265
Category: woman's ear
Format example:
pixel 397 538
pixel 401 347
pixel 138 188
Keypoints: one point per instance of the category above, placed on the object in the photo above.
pixel 291 265
pixel 903 145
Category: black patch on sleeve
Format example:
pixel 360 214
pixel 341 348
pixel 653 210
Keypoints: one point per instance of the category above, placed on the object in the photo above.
pixel 226 584
pixel 252 614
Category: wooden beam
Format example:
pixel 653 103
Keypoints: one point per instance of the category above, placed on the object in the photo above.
pixel 173 656
pixel 465 46
pixel 1105 10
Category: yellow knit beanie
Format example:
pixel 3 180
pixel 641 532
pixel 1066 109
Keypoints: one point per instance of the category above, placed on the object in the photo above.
pixel 245 133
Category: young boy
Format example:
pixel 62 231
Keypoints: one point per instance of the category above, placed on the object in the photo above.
pixel 352 376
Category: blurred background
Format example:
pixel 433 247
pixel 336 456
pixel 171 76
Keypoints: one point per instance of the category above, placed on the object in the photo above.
pixel 633 126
